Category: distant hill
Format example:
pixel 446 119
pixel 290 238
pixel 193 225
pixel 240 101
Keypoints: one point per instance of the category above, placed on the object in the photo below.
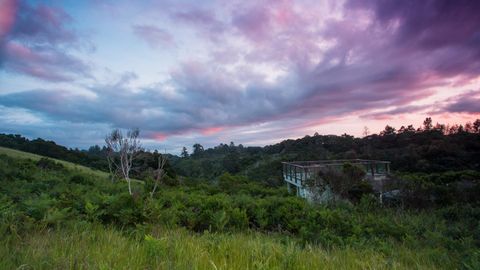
pixel 429 149
pixel 93 158
pixel 410 150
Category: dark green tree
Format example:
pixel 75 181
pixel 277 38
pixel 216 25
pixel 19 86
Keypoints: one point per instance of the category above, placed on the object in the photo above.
pixel 197 149
pixel 184 153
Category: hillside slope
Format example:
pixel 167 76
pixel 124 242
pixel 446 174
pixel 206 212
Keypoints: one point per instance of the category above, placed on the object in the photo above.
pixel 25 155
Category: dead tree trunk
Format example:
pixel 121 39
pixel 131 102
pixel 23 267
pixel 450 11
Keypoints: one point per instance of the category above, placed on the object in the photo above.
pixel 127 149
pixel 159 173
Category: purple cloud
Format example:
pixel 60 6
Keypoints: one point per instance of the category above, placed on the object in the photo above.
pixel 446 32
pixel 42 25
pixel 254 22
pixel 395 112
pixel 37 42
pixel 45 63
pixel 153 36
pixel 8 9
pixel 203 20
pixel 465 103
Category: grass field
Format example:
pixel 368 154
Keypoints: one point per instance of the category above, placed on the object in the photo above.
pixel 97 247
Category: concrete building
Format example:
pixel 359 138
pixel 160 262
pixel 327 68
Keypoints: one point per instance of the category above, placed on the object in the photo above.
pixel 297 173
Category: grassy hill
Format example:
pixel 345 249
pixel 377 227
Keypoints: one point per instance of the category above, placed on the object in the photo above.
pixel 25 155
pixel 69 165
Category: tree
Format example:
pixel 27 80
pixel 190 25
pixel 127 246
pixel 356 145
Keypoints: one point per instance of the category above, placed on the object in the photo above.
pixel 113 169
pixel 122 150
pixel 476 126
pixel 340 181
pixel 469 127
pixel 231 163
pixel 427 124
pixel 453 129
pixel 184 153
pixel 406 130
pixel 366 131
pixel 410 129
pixel 197 149
pixel 388 131
pixel 159 173
pixel 439 127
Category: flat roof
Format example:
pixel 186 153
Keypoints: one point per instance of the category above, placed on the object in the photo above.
pixel 323 163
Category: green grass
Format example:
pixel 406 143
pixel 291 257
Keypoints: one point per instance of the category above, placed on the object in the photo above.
pixel 88 246
pixel 72 166
pixel 25 155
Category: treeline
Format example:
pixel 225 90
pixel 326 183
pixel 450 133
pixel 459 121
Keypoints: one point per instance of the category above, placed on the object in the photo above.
pixel 428 149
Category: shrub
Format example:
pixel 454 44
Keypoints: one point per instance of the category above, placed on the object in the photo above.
pixel 123 209
pixel 81 180
pixel 238 219
pixel 356 192
pixel 48 164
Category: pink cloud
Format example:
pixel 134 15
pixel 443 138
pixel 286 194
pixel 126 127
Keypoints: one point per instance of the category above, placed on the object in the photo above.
pixel 211 130
pixel 47 64
pixel 8 9
pixel 254 23
pixel 158 136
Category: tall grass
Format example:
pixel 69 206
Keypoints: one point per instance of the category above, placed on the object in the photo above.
pixel 86 246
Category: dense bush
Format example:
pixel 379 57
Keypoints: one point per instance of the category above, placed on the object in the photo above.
pixel 32 198
pixel 420 190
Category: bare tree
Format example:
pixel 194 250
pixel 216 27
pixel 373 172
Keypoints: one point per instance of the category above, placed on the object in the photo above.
pixel 112 168
pixel 159 173
pixel 127 148
pixel 366 131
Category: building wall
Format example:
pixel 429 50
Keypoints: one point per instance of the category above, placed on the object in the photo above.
pixel 297 176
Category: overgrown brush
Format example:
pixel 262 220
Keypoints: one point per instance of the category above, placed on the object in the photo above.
pixel 55 217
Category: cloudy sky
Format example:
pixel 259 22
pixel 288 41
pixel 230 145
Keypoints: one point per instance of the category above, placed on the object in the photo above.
pixel 252 72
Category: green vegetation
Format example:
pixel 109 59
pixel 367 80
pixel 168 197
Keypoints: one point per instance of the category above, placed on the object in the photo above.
pixel 54 216
pixel 432 148
pixel 428 149
pixel 227 208
pixel 87 246
pixel 24 155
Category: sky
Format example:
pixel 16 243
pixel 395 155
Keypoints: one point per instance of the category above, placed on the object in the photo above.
pixel 252 72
